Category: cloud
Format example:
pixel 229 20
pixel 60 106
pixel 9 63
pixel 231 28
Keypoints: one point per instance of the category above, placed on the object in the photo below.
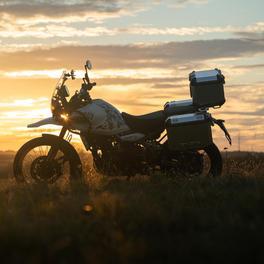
pixel 25 115
pixel 255 31
pixel 56 19
pixel 38 11
pixel 250 66
pixel 52 31
pixel 47 19
pixel 118 74
pixel 257 28
pixel 131 56
pixel 258 112
pixel 23 102
pixel 182 3
pixel 13 29
pixel 51 8
pixel 61 8
pixel 130 81
pixel 27 47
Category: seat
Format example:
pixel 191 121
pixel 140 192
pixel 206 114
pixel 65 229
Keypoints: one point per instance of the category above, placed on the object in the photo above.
pixel 152 122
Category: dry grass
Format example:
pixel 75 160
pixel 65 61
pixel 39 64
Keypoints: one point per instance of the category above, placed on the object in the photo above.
pixel 146 219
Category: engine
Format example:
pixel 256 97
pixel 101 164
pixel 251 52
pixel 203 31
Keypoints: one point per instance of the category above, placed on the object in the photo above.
pixel 126 158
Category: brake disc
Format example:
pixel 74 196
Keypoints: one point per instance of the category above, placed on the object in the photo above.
pixel 45 171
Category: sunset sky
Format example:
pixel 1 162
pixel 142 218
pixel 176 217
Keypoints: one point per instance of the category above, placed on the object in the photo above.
pixel 142 53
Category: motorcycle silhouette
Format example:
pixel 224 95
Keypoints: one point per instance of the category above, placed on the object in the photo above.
pixel 175 140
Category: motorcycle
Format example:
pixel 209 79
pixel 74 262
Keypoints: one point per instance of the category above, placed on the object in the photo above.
pixel 175 140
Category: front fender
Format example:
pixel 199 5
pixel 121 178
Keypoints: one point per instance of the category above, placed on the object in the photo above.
pixel 76 121
pixel 46 121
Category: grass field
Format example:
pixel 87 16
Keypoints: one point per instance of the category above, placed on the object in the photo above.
pixel 147 219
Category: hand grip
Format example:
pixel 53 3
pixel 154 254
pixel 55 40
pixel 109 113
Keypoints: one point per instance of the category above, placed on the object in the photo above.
pixel 88 86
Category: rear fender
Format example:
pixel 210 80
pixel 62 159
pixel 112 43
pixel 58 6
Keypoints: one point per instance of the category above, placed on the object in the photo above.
pixel 220 123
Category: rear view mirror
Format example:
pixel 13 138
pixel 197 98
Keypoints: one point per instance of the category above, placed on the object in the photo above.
pixel 88 64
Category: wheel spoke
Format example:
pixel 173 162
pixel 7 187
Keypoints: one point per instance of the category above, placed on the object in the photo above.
pixel 31 163
pixel 34 165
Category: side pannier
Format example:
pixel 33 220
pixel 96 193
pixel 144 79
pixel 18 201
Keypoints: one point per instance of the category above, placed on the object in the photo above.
pixel 189 131
pixel 178 107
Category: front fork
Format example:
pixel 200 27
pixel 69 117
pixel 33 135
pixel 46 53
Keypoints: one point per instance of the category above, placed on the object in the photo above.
pixel 54 150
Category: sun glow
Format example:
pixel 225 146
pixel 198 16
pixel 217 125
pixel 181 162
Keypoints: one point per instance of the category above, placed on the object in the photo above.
pixel 35 74
pixel 141 73
pixel 32 114
pixel 23 103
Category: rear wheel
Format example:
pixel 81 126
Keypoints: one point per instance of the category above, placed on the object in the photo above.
pixel 32 164
pixel 204 162
pixel 215 160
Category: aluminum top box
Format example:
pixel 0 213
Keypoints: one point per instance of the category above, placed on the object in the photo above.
pixel 208 76
pixel 207 88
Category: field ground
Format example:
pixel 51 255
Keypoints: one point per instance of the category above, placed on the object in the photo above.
pixel 6 159
pixel 156 219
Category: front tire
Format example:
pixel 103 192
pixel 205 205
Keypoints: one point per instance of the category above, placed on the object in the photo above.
pixel 31 165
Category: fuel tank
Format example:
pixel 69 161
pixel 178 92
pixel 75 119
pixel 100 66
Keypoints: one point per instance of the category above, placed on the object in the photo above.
pixel 99 117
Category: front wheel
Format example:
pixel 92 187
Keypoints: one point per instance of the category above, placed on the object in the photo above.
pixel 205 162
pixel 31 162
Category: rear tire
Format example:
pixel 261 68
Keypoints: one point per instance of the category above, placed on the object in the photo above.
pixel 54 168
pixel 216 160
pixel 203 162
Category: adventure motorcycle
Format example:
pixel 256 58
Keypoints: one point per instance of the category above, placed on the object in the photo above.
pixel 175 140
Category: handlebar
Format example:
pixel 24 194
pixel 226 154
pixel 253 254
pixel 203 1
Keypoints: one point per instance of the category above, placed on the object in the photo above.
pixel 88 86
pixel 93 84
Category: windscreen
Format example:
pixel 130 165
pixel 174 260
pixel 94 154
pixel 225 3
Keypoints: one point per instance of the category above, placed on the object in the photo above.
pixel 56 100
